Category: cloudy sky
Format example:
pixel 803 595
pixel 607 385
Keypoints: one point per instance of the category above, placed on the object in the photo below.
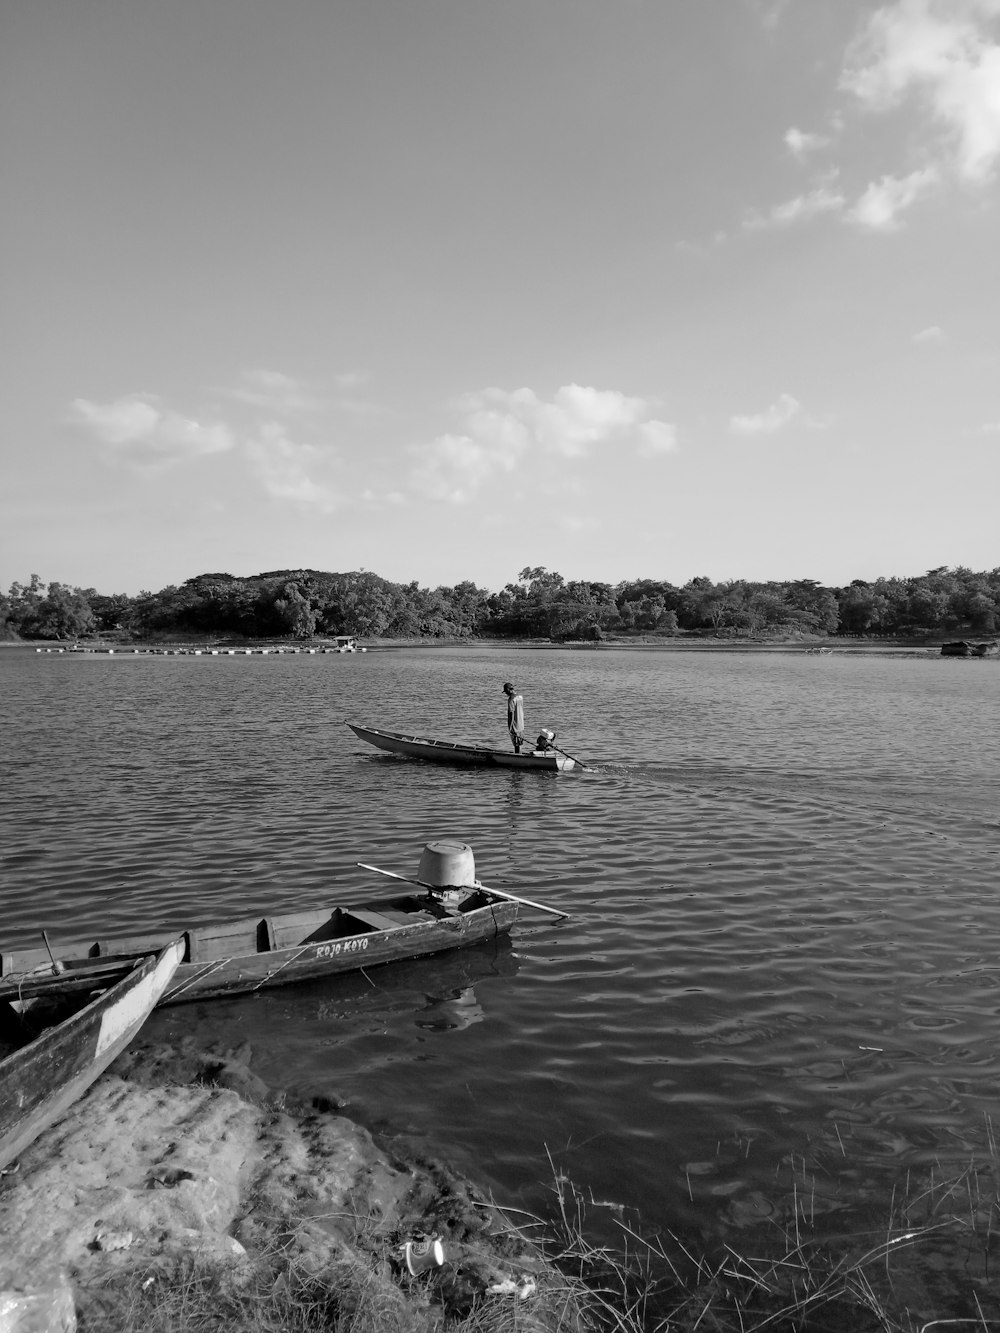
pixel 444 288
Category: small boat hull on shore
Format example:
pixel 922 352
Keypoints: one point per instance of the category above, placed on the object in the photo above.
pixel 236 957
pixel 457 752
pixel 40 1080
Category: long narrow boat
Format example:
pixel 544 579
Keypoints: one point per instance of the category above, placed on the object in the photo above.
pixel 42 1078
pixel 258 952
pixel 460 752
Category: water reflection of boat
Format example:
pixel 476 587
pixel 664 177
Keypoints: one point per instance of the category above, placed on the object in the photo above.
pixel 460 1009
pixel 336 1037
pixel 437 993
pixel 442 994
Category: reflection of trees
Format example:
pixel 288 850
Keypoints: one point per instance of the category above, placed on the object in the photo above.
pixel 539 604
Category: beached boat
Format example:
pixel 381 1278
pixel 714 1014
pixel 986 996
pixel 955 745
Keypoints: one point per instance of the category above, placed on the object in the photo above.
pixel 248 955
pixel 60 1040
pixel 962 648
pixel 460 752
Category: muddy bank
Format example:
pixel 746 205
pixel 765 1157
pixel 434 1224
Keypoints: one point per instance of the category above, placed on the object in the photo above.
pixel 181 1153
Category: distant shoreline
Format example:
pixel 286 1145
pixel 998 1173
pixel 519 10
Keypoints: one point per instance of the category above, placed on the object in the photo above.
pixel 227 647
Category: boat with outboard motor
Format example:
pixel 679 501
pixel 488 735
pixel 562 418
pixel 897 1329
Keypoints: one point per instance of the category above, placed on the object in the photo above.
pixel 551 759
pixel 444 907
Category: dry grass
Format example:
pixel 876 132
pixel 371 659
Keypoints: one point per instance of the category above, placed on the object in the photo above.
pixel 270 1297
pixel 933 1252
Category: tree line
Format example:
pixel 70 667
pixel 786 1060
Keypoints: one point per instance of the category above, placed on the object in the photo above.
pixel 304 603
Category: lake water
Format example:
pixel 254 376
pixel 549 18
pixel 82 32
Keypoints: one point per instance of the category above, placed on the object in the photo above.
pixel 781 969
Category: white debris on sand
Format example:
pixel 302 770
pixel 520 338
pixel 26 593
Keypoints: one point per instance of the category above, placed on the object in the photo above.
pixel 180 1152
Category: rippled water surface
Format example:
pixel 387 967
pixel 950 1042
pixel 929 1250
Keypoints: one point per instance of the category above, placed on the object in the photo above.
pixel 781 874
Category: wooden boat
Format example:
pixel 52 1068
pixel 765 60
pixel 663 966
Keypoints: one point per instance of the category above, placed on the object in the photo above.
pixel 248 955
pixel 51 1067
pixel 458 752
pixel 962 648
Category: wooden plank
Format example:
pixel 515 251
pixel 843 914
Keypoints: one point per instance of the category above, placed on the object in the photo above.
pixel 70 981
pixel 387 919
pixel 230 940
pixel 292 928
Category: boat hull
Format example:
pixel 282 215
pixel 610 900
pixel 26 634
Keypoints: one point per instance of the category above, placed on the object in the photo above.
pixel 456 752
pixel 42 1080
pixel 237 957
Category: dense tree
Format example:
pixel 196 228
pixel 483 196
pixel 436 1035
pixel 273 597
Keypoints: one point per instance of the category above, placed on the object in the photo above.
pixel 648 605
pixel 110 611
pixel 63 613
pixel 861 608
pixel 297 610
pixel 819 603
pixel 55 611
pixel 539 604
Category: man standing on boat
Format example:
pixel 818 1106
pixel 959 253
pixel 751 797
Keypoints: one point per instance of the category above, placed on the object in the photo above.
pixel 515 716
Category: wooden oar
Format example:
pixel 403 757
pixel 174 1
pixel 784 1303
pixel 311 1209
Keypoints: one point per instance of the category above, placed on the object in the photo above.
pixel 436 888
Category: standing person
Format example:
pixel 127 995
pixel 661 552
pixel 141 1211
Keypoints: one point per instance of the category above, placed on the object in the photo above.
pixel 515 716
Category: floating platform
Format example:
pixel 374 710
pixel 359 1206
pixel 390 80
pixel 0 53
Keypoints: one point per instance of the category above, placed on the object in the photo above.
pixel 198 652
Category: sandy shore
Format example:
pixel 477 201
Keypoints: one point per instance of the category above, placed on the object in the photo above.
pixel 181 1152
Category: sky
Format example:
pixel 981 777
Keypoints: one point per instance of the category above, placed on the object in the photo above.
pixel 442 289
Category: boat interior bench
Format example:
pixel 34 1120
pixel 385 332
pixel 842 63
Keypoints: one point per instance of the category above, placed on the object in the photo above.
pixel 313 927
pixel 386 918
pixel 233 939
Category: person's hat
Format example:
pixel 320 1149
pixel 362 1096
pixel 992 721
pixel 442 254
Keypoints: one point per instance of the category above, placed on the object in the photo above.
pixel 507 685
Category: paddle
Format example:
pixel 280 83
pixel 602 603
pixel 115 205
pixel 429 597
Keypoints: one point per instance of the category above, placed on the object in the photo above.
pixel 527 902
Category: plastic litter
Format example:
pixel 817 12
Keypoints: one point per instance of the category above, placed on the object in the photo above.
pixel 508 1287
pixel 47 1308
pixel 423 1255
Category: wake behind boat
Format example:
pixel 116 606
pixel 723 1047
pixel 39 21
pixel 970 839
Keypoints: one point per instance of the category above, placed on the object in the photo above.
pixel 460 752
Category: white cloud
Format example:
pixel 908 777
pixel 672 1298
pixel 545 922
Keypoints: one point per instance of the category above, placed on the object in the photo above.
pixel 801 145
pixel 932 334
pixel 454 467
pixel 990 428
pixel 879 207
pixel 275 392
pixel 802 207
pixel 286 468
pixel 656 437
pixel 140 427
pixel 935 64
pixel 501 427
pixel 770 11
pixel 578 418
pixel 779 414
pixel 943 56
